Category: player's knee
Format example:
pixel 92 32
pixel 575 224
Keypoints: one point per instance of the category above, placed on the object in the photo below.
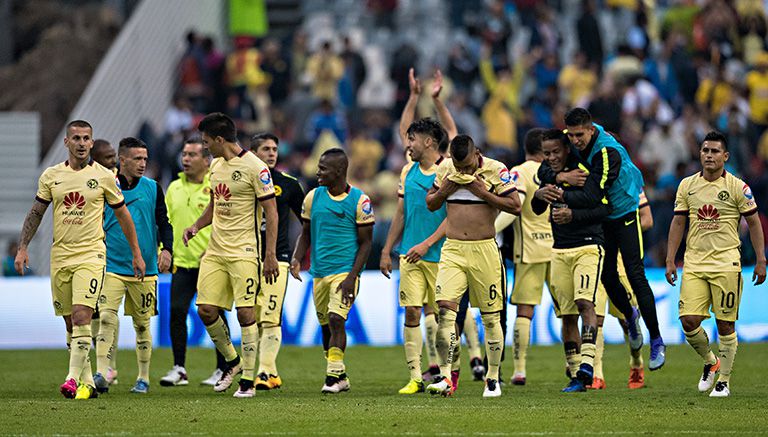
pixel 690 323
pixel 725 327
pixel 525 311
pixel 81 315
pixel 490 320
pixel 246 316
pixel 141 326
pixel 108 318
pixel 584 305
pixel 412 316
pixel 208 314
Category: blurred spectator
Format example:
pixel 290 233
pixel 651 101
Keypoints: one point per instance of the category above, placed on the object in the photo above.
pixel 546 70
pixel 606 107
pixel 663 148
pixel 213 75
pixel 324 69
pixel 496 31
pixel 191 72
pixel 299 56
pixel 326 118
pixel 354 69
pixel 660 71
pixel 546 35
pixel 757 90
pixel 577 80
pixel 588 29
pixel 276 66
pixel 462 67
pixel 465 118
pixel 403 58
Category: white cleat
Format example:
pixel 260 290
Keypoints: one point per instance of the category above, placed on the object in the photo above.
pixel 442 387
pixel 334 385
pixel 518 378
pixel 708 376
pixel 175 376
pixel 721 390
pixel 228 377
pixel 246 390
pixel 492 389
pixel 213 379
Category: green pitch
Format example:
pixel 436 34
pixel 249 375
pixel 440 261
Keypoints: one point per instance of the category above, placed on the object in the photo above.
pixel 31 404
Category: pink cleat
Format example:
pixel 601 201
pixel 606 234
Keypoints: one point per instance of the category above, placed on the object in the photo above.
pixel 69 388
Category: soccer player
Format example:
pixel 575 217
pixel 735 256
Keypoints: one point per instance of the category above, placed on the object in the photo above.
pixel 713 202
pixel 577 257
pixel 186 200
pixel 269 302
pixel 610 166
pixel 636 369
pixel 337 229
pixel 146 203
pixel 106 155
pixel 422 238
pixel 532 249
pixel 475 188
pixel 231 267
pixel 78 189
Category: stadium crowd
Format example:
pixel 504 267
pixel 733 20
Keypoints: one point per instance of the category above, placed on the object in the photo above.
pixel 680 69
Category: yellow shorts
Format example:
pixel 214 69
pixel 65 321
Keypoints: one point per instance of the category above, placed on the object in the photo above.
pixel 269 302
pixel 720 291
pixel 223 280
pixel 140 297
pixel 476 265
pixel 417 283
pixel 328 298
pixel 529 283
pixel 575 274
pixel 78 284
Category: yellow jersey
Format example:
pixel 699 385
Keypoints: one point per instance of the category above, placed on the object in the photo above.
pixel 78 198
pixel 496 176
pixel 714 210
pixel 533 233
pixel 237 186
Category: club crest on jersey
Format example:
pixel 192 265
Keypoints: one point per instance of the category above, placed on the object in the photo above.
pixel 265 177
pixel 92 183
pixel 278 190
pixel 236 175
pixel 504 175
pixel 747 192
pixel 723 195
pixel 367 207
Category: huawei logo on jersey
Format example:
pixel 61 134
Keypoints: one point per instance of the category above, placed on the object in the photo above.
pixel 222 192
pixel 74 199
pixel 709 217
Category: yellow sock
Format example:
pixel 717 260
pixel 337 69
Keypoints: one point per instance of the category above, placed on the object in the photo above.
pixel 113 354
pixel 412 337
pixel 635 356
pixel 599 348
pixel 446 340
pixel 699 341
pixel 728 345
pixel 473 338
pixel 430 322
pixel 588 335
pixel 86 377
pixel 269 346
pixel 572 357
pixel 143 346
pixel 221 339
pixel 494 343
pixel 249 341
pixel 81 347
pixel 456 360
pixel 105 340
pixel 522 337
pixel 335 366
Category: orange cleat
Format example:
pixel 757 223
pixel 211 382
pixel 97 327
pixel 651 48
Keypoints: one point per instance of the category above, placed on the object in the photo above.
pixel 636 378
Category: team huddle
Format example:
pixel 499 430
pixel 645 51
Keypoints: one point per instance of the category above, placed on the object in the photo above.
pixel 576 208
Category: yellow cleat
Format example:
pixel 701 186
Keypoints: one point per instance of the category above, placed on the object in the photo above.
pixel 414 386
pixel 275 381
pixel 86 392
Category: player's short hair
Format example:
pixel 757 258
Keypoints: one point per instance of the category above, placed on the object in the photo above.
pixel 100 143
pixel 130 143
pixel 578 117
pixel 717 136
pixel 261 138
pixel 339 153
pixel 461 145
pixel 217 124
pixel 197 140
pixel 533 141
pixel 431 128
pixel 79 123
pixel 554 134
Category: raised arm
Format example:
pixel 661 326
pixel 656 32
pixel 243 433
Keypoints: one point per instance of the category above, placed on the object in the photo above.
pixel 409 111
pixel 28 231
pixel 443 114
